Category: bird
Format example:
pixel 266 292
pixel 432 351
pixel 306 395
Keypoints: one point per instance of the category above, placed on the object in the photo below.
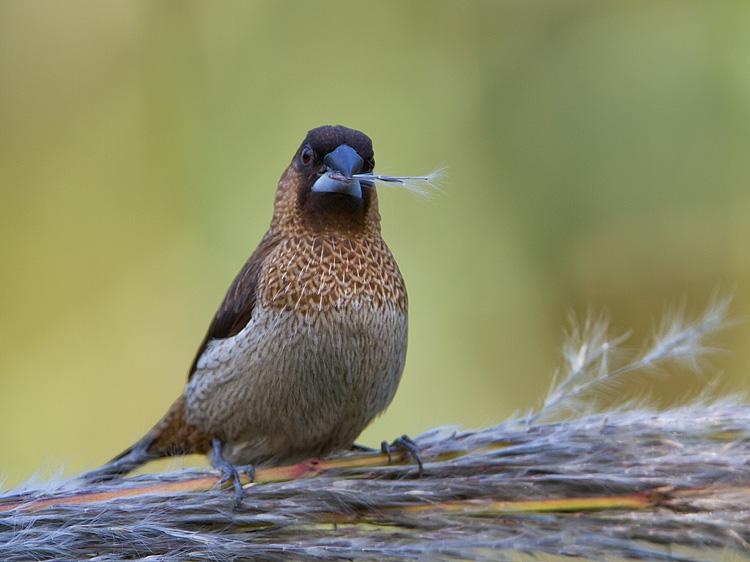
pixel 309 344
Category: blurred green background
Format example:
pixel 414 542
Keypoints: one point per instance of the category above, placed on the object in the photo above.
pixel 597 158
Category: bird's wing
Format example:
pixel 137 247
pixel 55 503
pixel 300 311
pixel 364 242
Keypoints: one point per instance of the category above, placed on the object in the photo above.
pixel 237 307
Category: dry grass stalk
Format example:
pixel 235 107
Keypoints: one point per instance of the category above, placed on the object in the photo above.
pixel 633 483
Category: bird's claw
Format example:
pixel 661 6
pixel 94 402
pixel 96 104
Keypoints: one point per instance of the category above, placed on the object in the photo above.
pixel 406 445
pixel 231 473
pixel 248 470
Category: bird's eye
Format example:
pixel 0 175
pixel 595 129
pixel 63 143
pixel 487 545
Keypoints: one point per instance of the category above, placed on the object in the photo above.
pixel 307 155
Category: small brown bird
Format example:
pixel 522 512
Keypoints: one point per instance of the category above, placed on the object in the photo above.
pixel 309 343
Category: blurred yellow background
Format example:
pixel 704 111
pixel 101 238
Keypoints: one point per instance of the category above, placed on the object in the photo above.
pixel 597 155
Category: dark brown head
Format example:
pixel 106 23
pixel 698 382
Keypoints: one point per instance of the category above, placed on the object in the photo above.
pixel 319 182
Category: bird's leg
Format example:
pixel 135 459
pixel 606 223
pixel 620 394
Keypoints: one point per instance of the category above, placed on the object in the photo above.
pixel 406 445
pixel 231 472
pixel 362 448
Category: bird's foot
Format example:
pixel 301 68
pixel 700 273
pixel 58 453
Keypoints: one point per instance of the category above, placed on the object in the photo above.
pixel 230 472
pixel 407 446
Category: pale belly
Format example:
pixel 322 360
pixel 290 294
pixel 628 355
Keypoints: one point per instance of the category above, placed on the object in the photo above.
pixel 293 385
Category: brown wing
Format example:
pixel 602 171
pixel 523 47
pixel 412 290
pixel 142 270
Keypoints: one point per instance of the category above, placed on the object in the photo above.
pixel 236 309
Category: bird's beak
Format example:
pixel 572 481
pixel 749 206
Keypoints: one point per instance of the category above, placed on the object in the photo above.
pixel 341 165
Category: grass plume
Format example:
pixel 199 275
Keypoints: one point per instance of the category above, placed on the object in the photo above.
pixel 594 360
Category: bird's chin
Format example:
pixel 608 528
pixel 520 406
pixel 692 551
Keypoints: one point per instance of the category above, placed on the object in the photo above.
pixel 328 183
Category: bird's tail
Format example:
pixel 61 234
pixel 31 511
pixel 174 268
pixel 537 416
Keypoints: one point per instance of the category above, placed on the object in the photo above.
pixel 170 437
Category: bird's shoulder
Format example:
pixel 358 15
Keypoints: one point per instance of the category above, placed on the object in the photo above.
pixel 237 307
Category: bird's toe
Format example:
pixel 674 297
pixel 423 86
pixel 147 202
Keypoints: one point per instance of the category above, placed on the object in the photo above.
pixel 406 445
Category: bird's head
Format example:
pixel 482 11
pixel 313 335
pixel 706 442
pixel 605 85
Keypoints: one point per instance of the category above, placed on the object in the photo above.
pixel 318 188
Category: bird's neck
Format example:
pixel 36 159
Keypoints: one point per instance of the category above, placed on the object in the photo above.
pixel 305 213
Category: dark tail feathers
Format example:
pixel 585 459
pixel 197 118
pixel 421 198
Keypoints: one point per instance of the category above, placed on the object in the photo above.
pixel 171 436
pixel 127 461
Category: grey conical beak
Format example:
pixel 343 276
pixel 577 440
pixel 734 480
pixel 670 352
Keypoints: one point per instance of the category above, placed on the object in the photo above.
pixel 342 164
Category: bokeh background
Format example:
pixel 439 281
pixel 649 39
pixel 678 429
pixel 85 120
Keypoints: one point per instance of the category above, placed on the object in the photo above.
pixel 597 155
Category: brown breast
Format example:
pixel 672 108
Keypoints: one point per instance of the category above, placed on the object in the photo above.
pixel 313 272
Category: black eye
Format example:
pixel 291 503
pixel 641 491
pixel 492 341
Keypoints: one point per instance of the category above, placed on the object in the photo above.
pixel 307 155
